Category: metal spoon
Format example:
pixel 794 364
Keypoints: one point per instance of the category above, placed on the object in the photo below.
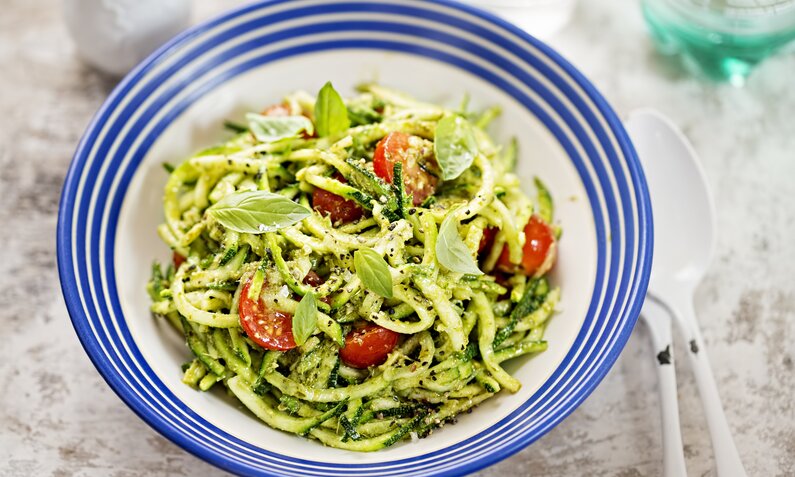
pixel 684 238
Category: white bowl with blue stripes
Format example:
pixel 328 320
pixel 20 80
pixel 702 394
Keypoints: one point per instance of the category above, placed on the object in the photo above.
pixel 174 103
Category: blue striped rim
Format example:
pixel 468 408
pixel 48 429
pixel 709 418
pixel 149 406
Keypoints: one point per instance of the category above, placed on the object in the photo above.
pixel 426 463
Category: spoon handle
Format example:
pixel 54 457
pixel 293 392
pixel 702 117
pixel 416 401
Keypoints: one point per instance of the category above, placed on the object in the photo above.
pixel 727 459
pixel 658 321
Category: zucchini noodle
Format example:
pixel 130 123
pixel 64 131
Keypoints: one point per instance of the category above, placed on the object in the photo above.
pixel 455 330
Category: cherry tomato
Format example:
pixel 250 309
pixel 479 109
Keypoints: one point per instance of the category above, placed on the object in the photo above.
pixel 420 182
pixel 313 279
pixel 178 259
pixel 501 279
pixel 488 239
pixel 270 329
pixel 538 253
pixel 276 110
pixel 368 346
pixel 339 209
pixel 282 110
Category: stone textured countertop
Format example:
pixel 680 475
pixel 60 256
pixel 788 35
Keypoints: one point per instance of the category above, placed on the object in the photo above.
pixel 59 418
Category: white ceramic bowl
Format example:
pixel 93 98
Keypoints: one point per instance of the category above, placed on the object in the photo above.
pixel 174 103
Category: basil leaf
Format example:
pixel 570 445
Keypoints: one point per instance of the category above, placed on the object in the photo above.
pixel 331 115
pixel 451 251
pixel 256 212
pixel 373 271
pixel 305 319
pixel 274 128
pixel 455 146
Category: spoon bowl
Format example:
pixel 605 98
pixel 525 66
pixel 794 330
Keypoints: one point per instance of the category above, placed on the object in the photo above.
pixel 683 210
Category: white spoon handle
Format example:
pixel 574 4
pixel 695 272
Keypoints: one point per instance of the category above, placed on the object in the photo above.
pixel 727 459
pixel 659 323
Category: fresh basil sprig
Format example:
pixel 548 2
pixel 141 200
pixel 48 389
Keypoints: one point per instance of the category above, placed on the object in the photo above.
pixel 373 272
pixel 331 115
pixel 256 212
pixel 455 146
pixel 451 251
pixel 274 128
pixel 305 319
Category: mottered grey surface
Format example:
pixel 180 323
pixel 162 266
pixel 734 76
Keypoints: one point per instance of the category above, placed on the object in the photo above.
pixel 59 418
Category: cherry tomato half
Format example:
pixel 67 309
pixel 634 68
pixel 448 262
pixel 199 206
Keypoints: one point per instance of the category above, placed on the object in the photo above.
pixel 268 328
pixel 313 279
pixel 368 346
pixel 339 209
pixel 178 260
pixel 538 253
pixel 417 178
pixel 488 238
pixel 282 110
pixel 276 110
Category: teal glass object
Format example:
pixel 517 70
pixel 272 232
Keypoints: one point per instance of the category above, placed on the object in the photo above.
pixel 721 39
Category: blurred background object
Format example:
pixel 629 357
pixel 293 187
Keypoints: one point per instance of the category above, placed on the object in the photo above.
pixel 115 35
pixel 721 39
pixel 540 18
